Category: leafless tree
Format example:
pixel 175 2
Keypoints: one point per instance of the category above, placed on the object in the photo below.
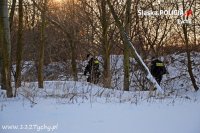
pixel 5 48
pixel 42 45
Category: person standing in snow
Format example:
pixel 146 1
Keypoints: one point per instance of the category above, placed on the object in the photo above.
pixel 93 69
pixel 158 69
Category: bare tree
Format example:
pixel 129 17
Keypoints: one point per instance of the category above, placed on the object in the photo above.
pixel 19 46
pixel 12 13
pixel 126 47
pixel 188 50
pixel 42 45
pixel 127 41
pixel 105 44
pixel 70 26
pixel 5 47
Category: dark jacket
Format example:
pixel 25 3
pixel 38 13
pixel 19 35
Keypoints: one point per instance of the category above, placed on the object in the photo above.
pixel 158 68
pixel 92 66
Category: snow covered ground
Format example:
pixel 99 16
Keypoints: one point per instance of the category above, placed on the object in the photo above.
pixel 79 107
pixel 178 77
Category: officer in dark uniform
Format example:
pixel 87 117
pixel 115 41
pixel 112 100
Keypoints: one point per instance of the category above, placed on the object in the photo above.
pixel 93 69
pixel 158 69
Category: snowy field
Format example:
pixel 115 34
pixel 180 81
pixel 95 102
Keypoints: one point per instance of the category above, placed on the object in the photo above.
pixel 79 107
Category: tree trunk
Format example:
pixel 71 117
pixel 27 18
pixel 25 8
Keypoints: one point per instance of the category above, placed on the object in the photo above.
pixel 5 47
pixel 73 60
pixel 126 41
pixel 19 47
pixel 106 71
pixel 189 63
pixel 12 13
pixel 126 48
pixel 106 46
pixel 41 47
pixel 1 54
pixel 194 25
pixel 73 46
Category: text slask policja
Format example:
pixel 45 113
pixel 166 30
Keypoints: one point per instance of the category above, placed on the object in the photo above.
pixel 160 12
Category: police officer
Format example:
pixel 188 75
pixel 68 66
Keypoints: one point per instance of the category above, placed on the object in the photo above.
pixel 93 69
pixel 158 69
